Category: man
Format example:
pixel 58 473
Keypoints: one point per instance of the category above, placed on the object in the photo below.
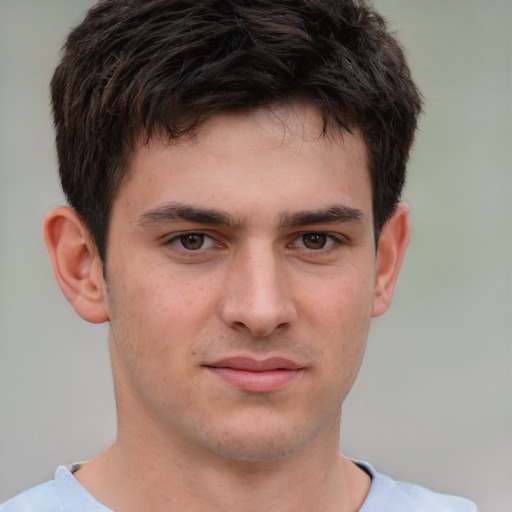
pixel 234 172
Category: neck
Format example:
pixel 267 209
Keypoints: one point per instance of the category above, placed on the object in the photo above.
pixel 144 473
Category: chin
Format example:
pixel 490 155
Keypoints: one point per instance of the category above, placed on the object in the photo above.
pixel 256 445
pixel 260 451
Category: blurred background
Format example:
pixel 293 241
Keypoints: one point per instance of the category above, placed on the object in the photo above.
pixel 433 402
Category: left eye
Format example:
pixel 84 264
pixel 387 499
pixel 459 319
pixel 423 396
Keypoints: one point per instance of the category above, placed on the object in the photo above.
pixel 193 241
pixel 314 241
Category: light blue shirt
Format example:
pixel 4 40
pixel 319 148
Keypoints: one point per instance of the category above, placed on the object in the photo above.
pixel 65 494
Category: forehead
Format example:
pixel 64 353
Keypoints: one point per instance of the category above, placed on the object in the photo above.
pixel 290 124
pixel 257 157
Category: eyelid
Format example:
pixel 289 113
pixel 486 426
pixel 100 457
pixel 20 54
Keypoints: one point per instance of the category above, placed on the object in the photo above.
pixel 174 240
pixel 334 239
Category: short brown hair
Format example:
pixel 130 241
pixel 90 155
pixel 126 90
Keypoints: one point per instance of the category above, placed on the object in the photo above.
pixel 135 68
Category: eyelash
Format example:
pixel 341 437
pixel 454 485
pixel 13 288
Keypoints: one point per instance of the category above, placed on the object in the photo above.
pixel 332 241
pixel 177 241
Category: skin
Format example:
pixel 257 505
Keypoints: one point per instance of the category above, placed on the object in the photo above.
pixel 259 276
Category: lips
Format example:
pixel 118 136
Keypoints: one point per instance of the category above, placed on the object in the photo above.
pixel 257 376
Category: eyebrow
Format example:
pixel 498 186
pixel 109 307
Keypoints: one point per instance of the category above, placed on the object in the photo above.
pixel 332 215
pixel 173 212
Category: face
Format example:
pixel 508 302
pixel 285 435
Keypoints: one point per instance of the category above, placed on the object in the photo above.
pixel 240 280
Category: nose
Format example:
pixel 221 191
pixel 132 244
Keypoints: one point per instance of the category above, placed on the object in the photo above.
pixel 256 298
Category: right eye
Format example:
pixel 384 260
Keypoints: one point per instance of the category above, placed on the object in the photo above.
pixel 193 241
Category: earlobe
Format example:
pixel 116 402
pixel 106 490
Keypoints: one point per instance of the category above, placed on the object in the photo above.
pixel 76 264
pixel 390 254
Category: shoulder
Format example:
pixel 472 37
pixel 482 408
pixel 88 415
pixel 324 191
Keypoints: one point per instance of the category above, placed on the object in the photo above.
pixel 42 498
pixel 64 494
pixel 388 495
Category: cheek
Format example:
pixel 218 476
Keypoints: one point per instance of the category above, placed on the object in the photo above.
pixel 345 301
pixel 156 318
pixel 344 320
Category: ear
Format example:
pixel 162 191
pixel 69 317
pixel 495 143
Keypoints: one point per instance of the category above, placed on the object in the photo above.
pixel 76 264
pixel 393 241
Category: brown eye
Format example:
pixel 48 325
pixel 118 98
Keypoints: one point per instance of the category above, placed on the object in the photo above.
pixel 314 240
pixel 192 241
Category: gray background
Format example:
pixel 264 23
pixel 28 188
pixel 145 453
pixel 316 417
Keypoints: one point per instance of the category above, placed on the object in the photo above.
pixel 433 402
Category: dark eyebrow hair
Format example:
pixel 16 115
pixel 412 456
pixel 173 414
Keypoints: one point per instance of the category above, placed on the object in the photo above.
pixel 329 215
pixel 174 211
